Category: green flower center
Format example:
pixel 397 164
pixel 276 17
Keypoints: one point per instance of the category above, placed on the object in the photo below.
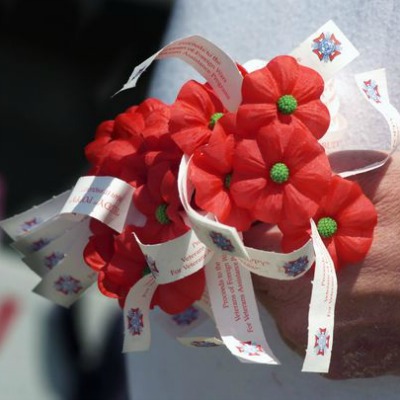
pixel 227 181
pixel 161 214
pixel 327 227
pixel 214 118
pixel 146 270
pixel 287 104
pixel 279 173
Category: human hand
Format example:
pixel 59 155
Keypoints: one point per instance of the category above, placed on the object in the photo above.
pixel 367 318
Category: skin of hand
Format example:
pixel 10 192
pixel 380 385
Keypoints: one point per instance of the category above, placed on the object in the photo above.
pixel 367 317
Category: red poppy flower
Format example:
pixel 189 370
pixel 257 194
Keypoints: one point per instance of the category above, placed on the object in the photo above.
pixel 139 128
pixel 126 266
pixel 345 219
pixel 121 263
pixel 194 115
pixel 159 201
pixel 280 176
pixel 176 297
pixel 211 172
pixel 285 92
pixel 100 246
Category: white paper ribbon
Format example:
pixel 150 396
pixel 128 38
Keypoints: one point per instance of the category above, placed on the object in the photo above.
pixel 177 258
pixel 321 316
pixel 136 315
pixel 235 310
pixel 104 198
pixel 208 60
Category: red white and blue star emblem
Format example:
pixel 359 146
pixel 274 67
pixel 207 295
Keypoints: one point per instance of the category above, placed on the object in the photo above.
pixel 53 259
pixel 39 244
pixel 371 90
pixel 321 342
pixel 135 321
pixel 151 263
pixel 250 348
pixel 26 226
pixel 326 47
pixel 67 284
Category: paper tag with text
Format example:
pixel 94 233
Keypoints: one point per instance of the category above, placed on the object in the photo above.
pixel 44 260
pixel 136 315
pixel 104 198
pixel 69 279
pixel 29 220
pixel 281 266
pixel 208 60
pixel 321 315
pixel 326 51
pixel 235 310
pixel 45 233
pixel 177 258
pixel 218 237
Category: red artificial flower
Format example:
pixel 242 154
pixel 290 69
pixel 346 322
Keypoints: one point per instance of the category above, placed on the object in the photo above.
pixel 121 264
pixel 345 219
pixel 159 201
pixel 120 146
pixel 100 246
pixel 284 92
pixel 280 176
pixel 211 172
pixel 194 115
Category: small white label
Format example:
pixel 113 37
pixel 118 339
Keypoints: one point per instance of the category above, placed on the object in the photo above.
pixel 177 258
pixel 321 315
pixel 136 315
pixel 31 219
pixel 208 60
pixel 235 310
pixel 104 198
pixel 65 283
pixel 326 51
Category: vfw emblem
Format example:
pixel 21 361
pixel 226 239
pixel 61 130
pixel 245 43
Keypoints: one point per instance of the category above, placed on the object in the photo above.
pixel 371 90
pixel 27 226
pixel 135 321
pixel 296 267
pixel 326 47
pixel 322 339
pixel 186 317
pixel 53 259
pixel 67 285
pixel 250 348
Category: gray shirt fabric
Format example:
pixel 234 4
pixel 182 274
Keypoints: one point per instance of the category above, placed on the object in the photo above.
pixel 248 29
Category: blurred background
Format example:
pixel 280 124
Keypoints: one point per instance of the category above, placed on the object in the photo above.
pixel 60 63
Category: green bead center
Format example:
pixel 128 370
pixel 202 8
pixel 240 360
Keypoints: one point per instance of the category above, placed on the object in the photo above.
pixel 146 270
pixel 227 181
pixel 287 104
pixel 327 227
pixel 279 173
pixel 214 118
pixel 161 214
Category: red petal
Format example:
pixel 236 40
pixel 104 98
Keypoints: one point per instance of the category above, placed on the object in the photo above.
pixel 309 85
pixel 176 297
pixel 190 139
pixel 260 87
pixel 285 72
pixel 315 116
pixel 252 117
pixel 352 249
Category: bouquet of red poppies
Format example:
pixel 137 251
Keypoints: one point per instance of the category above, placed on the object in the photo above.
pixel 262 163
pixel 159 218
